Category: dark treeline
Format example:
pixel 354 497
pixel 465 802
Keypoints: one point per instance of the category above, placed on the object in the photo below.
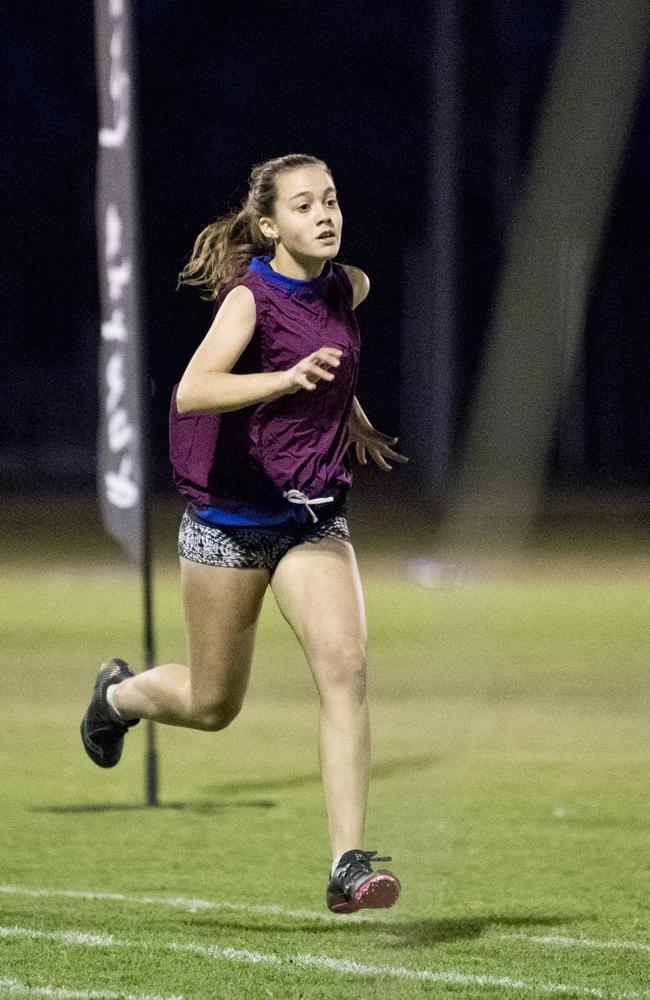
pixel 223 86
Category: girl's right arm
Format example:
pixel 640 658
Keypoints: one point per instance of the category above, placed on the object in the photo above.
pixel 207 385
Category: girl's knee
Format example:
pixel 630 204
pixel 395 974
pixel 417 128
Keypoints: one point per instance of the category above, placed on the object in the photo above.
pixel 343 674
pixel 211 716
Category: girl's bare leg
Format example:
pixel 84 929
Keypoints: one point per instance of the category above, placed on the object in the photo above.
pixel 222 606
pixel 318 590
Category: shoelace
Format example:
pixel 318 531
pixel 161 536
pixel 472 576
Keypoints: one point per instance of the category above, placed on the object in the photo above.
pixel 357 868
pixel 295 496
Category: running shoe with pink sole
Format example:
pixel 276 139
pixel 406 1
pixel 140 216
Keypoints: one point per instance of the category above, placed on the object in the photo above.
pixel 354 886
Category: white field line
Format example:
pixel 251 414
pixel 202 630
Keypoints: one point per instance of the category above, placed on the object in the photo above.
pixel 14 988
pixel 340 965
pixel 574 942
pixel 194 905
pixel 179 902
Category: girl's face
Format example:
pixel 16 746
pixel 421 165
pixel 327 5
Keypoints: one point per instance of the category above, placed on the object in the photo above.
pixel 306 208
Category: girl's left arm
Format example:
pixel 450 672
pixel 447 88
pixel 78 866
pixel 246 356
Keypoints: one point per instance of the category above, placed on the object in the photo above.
pixel 366 439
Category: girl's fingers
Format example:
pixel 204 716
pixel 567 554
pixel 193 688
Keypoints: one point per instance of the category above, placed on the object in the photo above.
pixel 330 354
pixel 380 461
pixel 309 375
pixel 326 362
pixel 384 438
pixel 308 372
pixel 395 455
pixel 381 442
pixel 314 369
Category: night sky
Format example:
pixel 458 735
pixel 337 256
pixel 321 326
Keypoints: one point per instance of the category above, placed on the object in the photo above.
pixel 226 85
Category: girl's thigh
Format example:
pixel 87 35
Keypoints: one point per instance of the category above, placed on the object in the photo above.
pixel 318 590
pixel 222 607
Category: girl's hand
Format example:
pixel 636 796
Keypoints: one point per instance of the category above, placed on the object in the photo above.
pixel 368 441
pixel 308 372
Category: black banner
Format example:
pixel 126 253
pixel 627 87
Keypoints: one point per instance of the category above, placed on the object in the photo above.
pixel 121 468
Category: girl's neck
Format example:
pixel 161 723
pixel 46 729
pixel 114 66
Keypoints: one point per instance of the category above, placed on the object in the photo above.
pixel 304 270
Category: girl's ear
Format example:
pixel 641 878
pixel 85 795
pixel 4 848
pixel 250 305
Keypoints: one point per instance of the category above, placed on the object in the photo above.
pixel 266 230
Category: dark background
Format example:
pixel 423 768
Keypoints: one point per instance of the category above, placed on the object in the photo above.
pixel 226 85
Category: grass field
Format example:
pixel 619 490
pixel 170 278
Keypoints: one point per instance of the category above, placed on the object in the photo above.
pixel 510 714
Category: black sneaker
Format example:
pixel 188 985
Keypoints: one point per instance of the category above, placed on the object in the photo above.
pixel 354 886
pixel 101 735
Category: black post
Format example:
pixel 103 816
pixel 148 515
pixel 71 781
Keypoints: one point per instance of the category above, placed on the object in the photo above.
pixel 151 754
pixel 123 440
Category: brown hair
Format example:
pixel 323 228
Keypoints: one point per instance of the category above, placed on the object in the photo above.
pixel 225 248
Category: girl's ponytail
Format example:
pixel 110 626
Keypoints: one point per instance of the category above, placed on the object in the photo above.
pixel 223 250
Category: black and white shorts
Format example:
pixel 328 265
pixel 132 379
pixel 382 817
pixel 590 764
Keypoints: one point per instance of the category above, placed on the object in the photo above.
pixel 251 548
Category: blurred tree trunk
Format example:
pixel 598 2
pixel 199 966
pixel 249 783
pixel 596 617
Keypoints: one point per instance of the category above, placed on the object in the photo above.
pixel 554 243
pixel 432 267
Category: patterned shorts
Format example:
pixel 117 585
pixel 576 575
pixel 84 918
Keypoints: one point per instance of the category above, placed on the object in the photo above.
pixel 251 548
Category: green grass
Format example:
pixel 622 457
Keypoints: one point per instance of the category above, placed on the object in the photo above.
pixel 511 766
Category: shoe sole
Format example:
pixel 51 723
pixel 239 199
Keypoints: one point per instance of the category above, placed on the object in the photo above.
pixel 379 893
pixel 94 750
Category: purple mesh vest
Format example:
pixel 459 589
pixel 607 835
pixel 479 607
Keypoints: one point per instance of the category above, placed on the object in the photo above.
pixel 298 442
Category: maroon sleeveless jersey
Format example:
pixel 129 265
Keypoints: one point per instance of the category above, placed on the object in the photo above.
pixel 297 442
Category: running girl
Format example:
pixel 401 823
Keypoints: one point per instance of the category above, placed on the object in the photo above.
pixel 260 428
